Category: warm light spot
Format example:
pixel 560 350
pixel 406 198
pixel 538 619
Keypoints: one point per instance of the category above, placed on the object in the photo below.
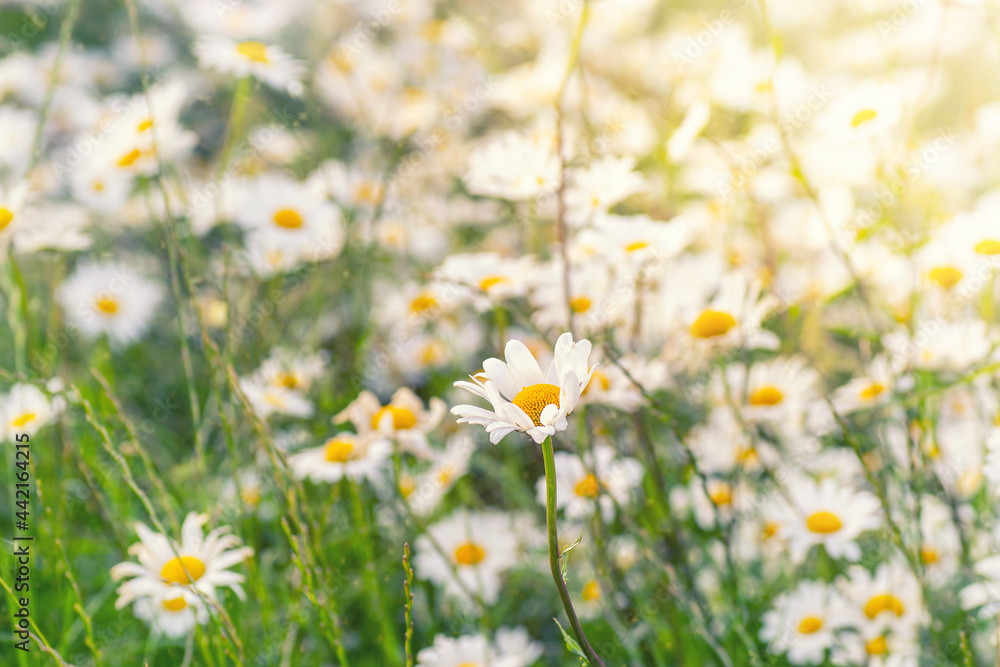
pixel 580 304
pixel 824 522
pixel 469 554
pixel 367 191
pixel 721 496
pixel 445 475
pixel 145 125
pixel 107 305
pixel 174 570
pixel 338 450
pixel 810 624
pixel 250 496
pixel 534 398
pixel 863 116
pixel 748 456
pixel 587 487
pixel 423 303
pixel 407 485
pixel 712 323
pixel 129 158
pixel 881 603
pixel 602 379
pixel 928 555
pixel 876 647
pixel 98 186
pixel 591 592
pixel 770 530
pixel 945 276
pixel 988 247
pixel 254 51
pixel 5 217
pixel 486 283
pixel 766 396
pixel 637 245
pixel 401 417
pixel 175 604
pixel 24 419
pixel 873 390
pixel 286 218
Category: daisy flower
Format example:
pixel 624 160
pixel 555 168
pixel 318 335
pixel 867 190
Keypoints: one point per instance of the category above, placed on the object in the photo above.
pixel 26 409
pixel 268 398
pixel 266 62
pixel 173 611
pixel 522 398
pixel 888 599
pixel 516 166
pixel 512 647
pixel 403 419
pixel 296 372
pixel 733 316
pixel 804 621
pixel 110 299
pixel 870 389
pixel 829 514
pixel 477 547
pixel 423 492
pixel 609 385
pixel 602 479
pixel 600 186
pixel 174 574
pixel 486 277
pixel 348 455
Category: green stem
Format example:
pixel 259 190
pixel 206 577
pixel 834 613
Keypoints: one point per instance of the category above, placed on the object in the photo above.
pixel 554 556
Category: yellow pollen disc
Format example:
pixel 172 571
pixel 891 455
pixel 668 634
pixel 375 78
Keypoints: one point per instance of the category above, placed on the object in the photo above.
pixel 863 116
pixel 587 487
pixel 766 396
pixel 407 485
pixel 366 191
pixel 881 603
pixel 338 450
pixel 945 276
pixel 98 186
pixel 173 571
pixel 876 647
pixel 602 380
pixel 873 390
pixel 770 529
pixel 129 158
pixel 107 305
pixel 24 419
pixel 251 496
pixel 580 304
pixel 988 247
pixel 175 604
pixel 928 555
pixel 401 417
pixel 486 283
pixel 810 624
pixel 5 217
pixel 638 245
pixel 423 303
pixel 712 323
pixel 591 592
pixel 748 455
pixel 469 554
pixel 145 125
pixel 823 522
pixel 288 219
pixel 469 664
pixel 287 380
pixel 533 399
pixel 254 51
pixel 721 497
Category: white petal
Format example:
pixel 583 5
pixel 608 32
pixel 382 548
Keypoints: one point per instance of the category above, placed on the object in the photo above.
pixel 522 364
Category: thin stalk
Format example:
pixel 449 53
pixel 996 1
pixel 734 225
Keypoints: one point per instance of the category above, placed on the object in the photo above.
pixel 554 555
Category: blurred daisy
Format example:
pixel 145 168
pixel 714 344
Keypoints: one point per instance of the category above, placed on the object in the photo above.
pixel 888 599
pixel 515 166
pixel 522 398
pixel 293 371
pixel 403 419
pixel 424 492
pixel 776 390
pixel 344 455
pixel 600 186
pixel 266 62
pixel 603 479
pixel 26 409
pixel 609 385
pixel 512 647
pixel 487 277
pixel 804 622
pixel 173 611
pixel 871 389
pixel 268 399
pixel 171 572
pixel 110 299
pixel 733 316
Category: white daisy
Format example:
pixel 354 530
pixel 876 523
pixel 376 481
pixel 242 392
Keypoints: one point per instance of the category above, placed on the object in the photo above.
pixel 889 599
pixel 266 62
pixel 804 621
pixel 512 647
pixel 173 611
pixel 268 398
pixel 869 389
pixel 403 418
pixel 25 409
pixel 602 479
pixel 522 398
pixel 344 455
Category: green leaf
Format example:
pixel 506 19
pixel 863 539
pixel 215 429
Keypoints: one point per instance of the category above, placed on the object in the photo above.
pixel 570 641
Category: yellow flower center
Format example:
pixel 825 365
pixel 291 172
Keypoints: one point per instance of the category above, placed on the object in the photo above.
pixel 175 604
pixel 722 496
pixel 286 218
pixel 810 624
pixel 928 555
pixel 401 417
pixel 287 380
pixel 602 379
pixel 107 305
pixel 423 303
pixel 534 398
pixel 884 602
pixel 824 522
pixel 876 647
pixel 486 283
pixel 872 390
pixel 712 323
pixel 174 572
pixel 250 496
pixel 580 304
pixel 637 245
pixel 145 125
pixel 863 116
pixel 988 247
pixel 407 485
pixel 339 450
pixel 770 529
pixel 587 487
pixel 5 217
pixel 129 158
pixel 591 592
pixel 24 419
pixel 255 51
pixel 98 186
pixel 766 396
pixel 945 276
pixel 469 554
